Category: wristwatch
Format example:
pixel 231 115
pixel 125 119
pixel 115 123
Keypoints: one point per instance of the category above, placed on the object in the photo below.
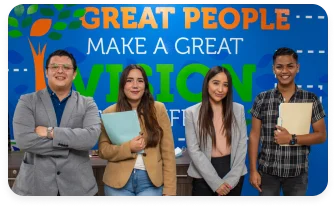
pixel 49 130
pixel 293 141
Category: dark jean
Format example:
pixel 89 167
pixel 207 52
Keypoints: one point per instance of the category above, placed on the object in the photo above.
pixel 222 167
pixel 139 184
pixel 291 186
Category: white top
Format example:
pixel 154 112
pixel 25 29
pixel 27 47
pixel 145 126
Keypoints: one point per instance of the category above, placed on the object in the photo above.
pixel 139 163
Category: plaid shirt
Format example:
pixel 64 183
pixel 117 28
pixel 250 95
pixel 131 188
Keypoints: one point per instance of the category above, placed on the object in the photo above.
pixel 273 159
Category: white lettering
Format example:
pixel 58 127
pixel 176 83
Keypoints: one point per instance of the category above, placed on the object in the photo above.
pixel 178 51
pixel 100 43
pixel 115 47
pixel 138 46
pixel 160 47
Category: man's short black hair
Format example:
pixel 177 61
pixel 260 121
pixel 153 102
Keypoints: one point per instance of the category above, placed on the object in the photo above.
pixel 285 51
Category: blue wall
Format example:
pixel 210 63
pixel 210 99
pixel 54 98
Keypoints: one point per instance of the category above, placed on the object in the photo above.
pixel 175 77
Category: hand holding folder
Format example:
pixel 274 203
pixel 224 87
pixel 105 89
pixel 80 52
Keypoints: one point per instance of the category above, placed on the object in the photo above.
pixel 295 117
pixel 121 126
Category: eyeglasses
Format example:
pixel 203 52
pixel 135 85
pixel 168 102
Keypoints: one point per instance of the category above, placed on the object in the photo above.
pixel 56 67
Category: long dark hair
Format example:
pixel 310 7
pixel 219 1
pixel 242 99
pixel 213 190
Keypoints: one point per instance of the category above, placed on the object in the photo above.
pixel 145 109
pixel 205 117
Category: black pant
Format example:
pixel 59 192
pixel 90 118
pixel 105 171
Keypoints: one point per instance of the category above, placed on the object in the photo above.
pixel 291 186
pixel 222 166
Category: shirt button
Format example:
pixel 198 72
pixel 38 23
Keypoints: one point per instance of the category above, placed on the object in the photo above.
pixel 58 172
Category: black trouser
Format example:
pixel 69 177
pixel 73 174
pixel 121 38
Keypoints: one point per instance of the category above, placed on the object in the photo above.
pixel 222 166
pixel 291 186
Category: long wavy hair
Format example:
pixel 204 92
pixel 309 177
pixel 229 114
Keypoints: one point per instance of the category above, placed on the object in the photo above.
pixel 145 109
pixel 205 118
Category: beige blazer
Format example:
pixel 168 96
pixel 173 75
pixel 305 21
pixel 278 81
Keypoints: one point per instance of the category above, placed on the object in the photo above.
pixel 159 161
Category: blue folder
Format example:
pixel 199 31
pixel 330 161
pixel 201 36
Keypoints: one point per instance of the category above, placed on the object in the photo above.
pixel 121 126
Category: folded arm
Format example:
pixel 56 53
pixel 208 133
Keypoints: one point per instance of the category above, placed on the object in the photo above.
pixel 80 138
pixel 26 137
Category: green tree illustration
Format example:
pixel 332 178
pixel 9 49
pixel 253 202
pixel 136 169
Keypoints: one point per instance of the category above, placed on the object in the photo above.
pixel 43 26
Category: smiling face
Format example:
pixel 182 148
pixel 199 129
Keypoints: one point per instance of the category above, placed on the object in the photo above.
pixel 285 68
pixel 60 73
pixel 218 88
pixel 135 86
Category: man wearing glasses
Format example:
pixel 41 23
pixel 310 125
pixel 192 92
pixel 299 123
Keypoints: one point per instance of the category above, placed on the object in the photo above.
pixel 56 127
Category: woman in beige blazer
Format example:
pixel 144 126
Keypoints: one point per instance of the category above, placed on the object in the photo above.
pixel 129 172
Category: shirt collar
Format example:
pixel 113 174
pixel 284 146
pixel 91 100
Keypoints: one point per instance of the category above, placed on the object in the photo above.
pixel 276 89
pixel 51 93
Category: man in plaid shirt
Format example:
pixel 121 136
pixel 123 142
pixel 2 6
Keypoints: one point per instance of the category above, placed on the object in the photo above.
pixel 282 167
